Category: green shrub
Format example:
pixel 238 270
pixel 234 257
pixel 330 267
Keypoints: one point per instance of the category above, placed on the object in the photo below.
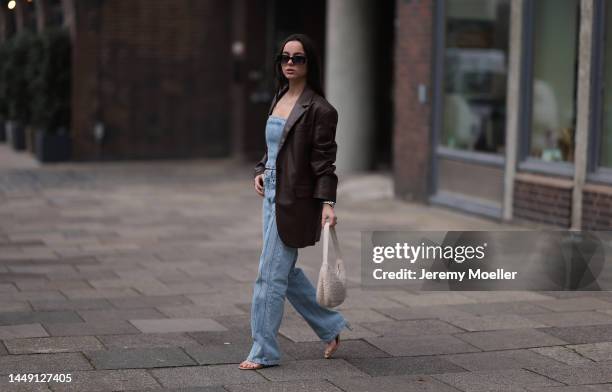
pixel 4 53
pixel 32 71
pixel 17 89
pixel 52 82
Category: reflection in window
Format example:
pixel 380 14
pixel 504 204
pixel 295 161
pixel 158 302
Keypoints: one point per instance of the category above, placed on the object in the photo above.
pixel 475 63
pixel 553 117
pixel 606 140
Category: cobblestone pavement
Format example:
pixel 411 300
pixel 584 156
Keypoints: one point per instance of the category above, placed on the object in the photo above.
pixel 138 276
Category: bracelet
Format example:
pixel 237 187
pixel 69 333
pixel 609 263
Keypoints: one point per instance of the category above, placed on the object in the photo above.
pixel 331 203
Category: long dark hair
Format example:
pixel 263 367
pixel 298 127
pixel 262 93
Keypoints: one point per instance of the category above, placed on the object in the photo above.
pixel 313 76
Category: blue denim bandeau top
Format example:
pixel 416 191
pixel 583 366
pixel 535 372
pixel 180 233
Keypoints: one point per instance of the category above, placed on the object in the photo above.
pixel 274 131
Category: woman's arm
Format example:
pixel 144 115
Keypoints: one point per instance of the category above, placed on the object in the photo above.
pixel 261 165
pixel 323 155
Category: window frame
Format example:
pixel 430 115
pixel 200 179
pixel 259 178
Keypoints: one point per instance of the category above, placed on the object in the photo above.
pixel 595 171
pixel 439 150
pixel 525 162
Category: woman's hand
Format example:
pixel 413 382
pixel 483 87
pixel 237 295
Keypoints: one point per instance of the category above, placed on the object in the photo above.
pixel 328 214
pixel 259 185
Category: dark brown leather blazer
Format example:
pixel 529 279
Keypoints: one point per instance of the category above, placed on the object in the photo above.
pixel 305 167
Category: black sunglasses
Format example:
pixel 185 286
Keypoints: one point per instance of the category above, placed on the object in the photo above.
pixel 298 59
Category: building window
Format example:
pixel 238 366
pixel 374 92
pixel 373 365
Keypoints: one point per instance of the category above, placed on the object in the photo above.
pixel 475 74
pixel 554 75
pixel 606 138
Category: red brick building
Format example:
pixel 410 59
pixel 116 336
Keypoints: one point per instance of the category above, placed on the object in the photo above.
pixel 495 107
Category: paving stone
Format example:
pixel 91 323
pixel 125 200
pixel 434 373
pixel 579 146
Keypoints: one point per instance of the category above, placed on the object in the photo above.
pixel 494 322
pixel 33 296
pixel 150 301
pixel 360 298
pixel 571 319
pixel 509 339
pixel 107 380
pixel 595 351
pixel 179 289
pixel 222 337
pixel 402 383
pixel 496 380
pixel 411 327
pixel 138 358
pixel 108 327
pixel 7 288
pixel 433 298
pixel 298 330
pixel 7 386
pixel 597 373
pixel 365 315
pixel 311 369
pixel 240 322
pixel 39 363
pixel 497 308
pixel 421 345
pixel 147 340
pixel 562 354
pixel 500 360
pixel 216 354
pixel 12 318
pixel 100 293
pixel 285 386
pixel 75 304
pixel 574 304
pixel 119 314
pixel 227 297
pixel 404 365
pixel 12 277
pixel 580 388
pixel 191 389
pixel 43 284
pixel 177 325
pixel 14 306
pixel 22 331
pixel 581 334
pixel 52 345
pixel 168 249
pixel 206 375
pixel 505 296
pixel 191 311
pixel 347 349
pixel 441 312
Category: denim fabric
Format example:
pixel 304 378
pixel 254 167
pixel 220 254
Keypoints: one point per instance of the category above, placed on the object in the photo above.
pixel 274 131
pixel 277 278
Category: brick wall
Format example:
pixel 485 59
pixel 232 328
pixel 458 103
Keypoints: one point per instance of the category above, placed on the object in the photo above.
pixel 155 73
pixel 412 66
pixel 597 207
pixel 543 199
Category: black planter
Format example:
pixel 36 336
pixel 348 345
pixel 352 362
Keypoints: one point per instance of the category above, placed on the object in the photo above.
pixel 16 135
pixel 52 147
pixel 2 131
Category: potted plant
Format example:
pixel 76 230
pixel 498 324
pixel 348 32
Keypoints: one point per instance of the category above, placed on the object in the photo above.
pixel 3 96
pixel 32 73
pixel 17 88
pixel 51 104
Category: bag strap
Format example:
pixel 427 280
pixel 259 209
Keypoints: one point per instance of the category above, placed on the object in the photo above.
pixel 326 229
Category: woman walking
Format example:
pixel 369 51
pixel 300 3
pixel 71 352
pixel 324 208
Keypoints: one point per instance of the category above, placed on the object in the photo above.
pixel 297 180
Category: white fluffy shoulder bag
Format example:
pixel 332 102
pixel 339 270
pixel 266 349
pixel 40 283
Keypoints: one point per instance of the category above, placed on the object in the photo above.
pixel 331 287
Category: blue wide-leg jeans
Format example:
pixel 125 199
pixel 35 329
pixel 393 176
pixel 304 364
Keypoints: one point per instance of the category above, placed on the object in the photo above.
pixel 277 278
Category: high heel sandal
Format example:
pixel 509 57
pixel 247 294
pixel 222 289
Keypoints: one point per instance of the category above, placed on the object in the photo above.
pixel 330 351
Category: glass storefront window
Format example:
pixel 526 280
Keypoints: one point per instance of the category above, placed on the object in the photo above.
pixel 553 110
pixel 475 64
pixel 606 139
